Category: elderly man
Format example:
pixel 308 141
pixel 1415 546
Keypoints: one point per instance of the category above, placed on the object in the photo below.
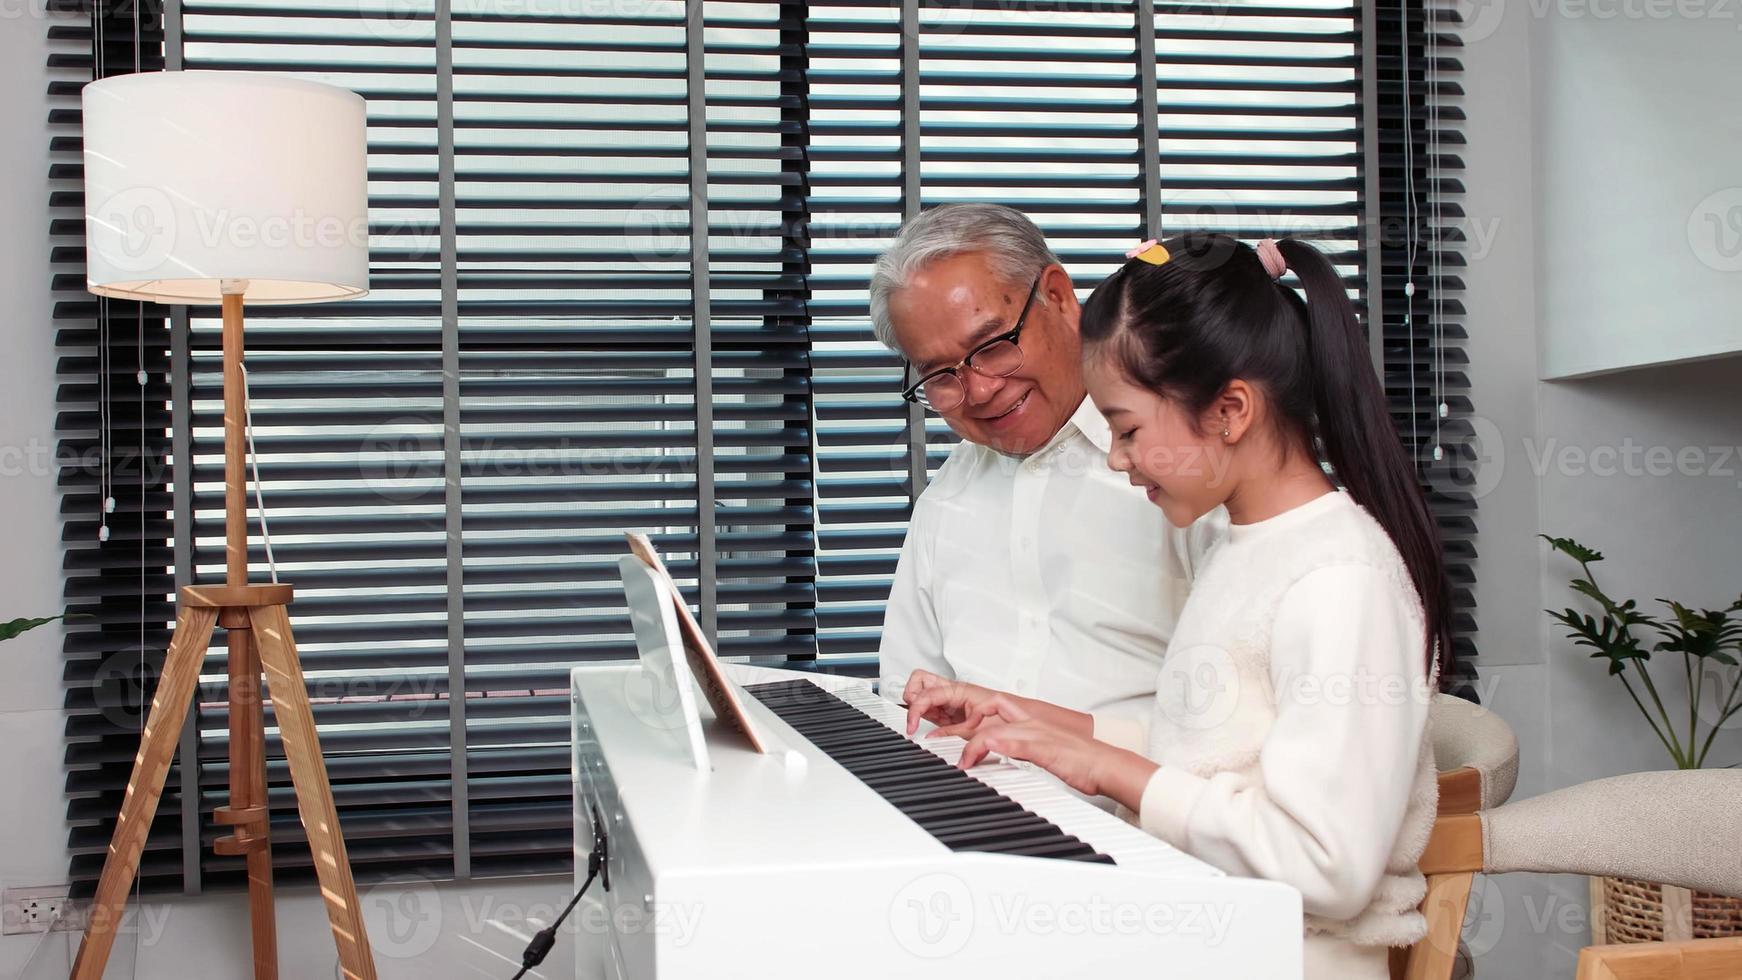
pixel 1030 566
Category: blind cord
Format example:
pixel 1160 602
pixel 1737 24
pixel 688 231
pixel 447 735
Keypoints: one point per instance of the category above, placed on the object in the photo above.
pixel 541 944
pixel 254 462
pixel 1411 213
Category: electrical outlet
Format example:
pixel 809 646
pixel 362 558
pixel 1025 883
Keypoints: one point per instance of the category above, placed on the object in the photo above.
pixel 41 909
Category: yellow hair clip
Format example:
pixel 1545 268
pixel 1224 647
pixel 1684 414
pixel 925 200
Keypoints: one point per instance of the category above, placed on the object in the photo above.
pixel 1151 251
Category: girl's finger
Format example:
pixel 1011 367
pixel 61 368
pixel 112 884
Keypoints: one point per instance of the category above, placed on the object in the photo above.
pixel 917 683
pixel 924 704
pixel 963 728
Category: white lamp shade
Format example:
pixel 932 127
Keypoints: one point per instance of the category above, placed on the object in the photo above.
pixel 195 178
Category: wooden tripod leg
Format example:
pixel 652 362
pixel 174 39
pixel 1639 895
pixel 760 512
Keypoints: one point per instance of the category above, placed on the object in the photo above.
pixel 248 812
pixel 157 744
pixel 314 795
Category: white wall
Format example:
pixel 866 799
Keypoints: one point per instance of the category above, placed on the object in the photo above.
pixel 32 807
pixel 1638 140
pixel 1534 77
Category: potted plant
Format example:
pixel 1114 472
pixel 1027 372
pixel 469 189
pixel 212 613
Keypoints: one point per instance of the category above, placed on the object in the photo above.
pixel 1627 638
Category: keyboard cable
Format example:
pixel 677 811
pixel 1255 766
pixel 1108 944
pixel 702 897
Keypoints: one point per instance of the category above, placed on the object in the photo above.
pixel 541 944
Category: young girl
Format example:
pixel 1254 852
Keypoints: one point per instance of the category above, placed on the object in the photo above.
pixel 1289 734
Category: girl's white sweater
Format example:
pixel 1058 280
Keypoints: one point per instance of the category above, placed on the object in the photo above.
pixel 1291 719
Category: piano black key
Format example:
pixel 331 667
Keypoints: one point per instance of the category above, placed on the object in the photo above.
pixel 928 812
pixel 982 810
pixel 920 770
pixel 967 839
pixel 924 797
pixel 899 775
pixel 1038 845
pixel 842 745
pixel 1069 847
pixel 958 810
pixel 940 825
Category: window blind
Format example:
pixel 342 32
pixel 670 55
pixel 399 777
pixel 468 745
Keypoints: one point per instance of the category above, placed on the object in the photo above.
pixel 1417 228
pixel 619 258
pixel 112 441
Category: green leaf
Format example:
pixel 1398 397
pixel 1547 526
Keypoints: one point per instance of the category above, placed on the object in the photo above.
pixel 17 626
pixel 1703 633
pixel 1572 549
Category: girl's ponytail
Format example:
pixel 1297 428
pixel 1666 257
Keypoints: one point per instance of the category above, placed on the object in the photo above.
pixel 1361 443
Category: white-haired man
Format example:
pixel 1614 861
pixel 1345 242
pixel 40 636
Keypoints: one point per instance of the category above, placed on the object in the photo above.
pixel 1029 566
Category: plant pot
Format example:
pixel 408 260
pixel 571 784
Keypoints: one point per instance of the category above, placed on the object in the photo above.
pixel 1625 910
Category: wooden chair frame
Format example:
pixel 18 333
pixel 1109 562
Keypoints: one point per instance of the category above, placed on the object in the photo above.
pixel 1451 861
pixel 1694 959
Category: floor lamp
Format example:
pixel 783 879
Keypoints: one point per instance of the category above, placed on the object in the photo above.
pixel 201 188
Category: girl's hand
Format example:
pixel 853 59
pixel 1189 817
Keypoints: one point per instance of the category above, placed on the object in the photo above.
pixel 956 707
pixel 1087 766
pixel 960 708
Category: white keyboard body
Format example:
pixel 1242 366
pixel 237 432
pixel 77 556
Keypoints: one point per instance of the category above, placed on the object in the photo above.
pixel 784 866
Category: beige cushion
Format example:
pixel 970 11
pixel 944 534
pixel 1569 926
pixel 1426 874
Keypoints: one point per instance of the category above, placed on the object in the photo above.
pixel 1466 734
pixel 1678 828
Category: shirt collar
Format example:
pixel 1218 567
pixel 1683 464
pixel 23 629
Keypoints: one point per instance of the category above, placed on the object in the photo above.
pixel 1093 425
pixel 1088 422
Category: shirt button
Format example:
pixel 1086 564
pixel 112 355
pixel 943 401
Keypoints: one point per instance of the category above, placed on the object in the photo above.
pixel 1027 544
pixel 1022 685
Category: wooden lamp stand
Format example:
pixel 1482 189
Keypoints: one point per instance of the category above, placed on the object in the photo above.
pixel 257 626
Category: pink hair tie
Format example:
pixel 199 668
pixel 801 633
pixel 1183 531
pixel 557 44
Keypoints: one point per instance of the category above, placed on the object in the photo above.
pixel 1272 258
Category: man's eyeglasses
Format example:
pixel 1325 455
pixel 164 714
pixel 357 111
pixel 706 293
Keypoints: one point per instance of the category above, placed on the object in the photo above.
pixel 944 390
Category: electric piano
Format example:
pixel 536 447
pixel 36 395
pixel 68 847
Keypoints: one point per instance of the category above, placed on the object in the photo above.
pixel 848 850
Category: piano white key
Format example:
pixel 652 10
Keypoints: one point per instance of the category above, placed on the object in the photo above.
pixel 1046 797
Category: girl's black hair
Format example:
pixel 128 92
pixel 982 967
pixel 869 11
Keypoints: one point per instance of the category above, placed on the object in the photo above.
pixel 1211 313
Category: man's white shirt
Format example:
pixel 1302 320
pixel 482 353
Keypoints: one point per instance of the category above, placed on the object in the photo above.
pixel 1052 576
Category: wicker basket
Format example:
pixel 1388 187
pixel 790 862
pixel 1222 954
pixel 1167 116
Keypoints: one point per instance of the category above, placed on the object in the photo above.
pixel 1624 910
